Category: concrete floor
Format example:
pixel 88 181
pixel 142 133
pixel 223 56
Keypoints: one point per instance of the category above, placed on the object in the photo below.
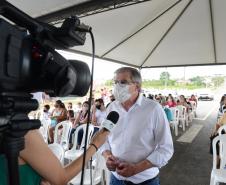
pixel 191 163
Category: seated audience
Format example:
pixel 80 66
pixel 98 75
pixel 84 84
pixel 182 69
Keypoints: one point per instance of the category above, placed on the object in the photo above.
pixel 193 98
pixel 59 114
pixel 99 114
pixel 170 102
pixel 46 113
pixel 81 118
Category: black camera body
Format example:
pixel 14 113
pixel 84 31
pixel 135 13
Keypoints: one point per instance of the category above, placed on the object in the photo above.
pixel 28 60
pixel 30 63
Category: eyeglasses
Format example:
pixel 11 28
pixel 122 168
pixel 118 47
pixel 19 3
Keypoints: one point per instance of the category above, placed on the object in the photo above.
pixel 122 82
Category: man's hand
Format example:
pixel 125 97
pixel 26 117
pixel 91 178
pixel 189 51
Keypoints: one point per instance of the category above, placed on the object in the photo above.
pixel 126 169
pixel 112 162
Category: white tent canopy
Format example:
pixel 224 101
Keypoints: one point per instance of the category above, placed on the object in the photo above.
pixel 155 33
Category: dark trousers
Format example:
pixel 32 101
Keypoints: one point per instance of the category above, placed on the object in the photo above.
pixel 115 181
pixel 79 137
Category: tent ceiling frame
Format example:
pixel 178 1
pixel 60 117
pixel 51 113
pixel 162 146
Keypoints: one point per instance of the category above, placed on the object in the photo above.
pixel 140 29
pixel 213 31
pixel 108 59
pixel 138 67
pixel 205 63
pixel 167 31
pixel 187 65
pixel 87 9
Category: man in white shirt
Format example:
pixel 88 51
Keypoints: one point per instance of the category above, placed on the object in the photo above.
pixel 141 141
pixel 99 112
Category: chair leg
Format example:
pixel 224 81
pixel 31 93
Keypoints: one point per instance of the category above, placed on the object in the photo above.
pixel 183 124
pixel 212 181
pixel 176 129
pixel 103 178
pixel 187 121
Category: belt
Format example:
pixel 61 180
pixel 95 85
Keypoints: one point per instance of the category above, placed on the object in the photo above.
pixel 142 183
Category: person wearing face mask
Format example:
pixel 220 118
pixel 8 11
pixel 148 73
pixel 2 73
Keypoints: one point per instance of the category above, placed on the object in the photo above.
pixel 98 114
pixel 45 114
pixel 59 114
pixel 141 141
pixel 81 118
pixel 112 98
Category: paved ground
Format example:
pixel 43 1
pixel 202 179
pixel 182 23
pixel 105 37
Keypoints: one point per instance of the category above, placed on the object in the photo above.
pixel 192 163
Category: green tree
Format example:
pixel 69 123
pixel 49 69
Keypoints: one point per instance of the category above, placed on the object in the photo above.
pixel 164 77
pixel 108 82
pixel 217 81
pixel 198 81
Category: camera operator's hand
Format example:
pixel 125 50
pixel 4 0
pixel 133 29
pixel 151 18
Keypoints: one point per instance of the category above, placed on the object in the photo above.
pixel 100 138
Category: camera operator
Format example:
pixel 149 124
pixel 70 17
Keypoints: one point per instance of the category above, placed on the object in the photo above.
pixel 38 165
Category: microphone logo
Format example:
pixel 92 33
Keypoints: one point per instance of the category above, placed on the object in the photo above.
pixel 111 120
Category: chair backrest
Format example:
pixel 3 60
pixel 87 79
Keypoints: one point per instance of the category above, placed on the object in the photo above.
pixel 193 105
pixel 222 128
pixel 38 114
pixel 221 141
pixel 90 133
pixel 182 111
pixel 176 114
pixel 98 165
pixel 58 151
pixel 44 129
pixel 63 139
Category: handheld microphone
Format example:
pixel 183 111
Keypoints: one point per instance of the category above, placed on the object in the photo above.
pixel 110 121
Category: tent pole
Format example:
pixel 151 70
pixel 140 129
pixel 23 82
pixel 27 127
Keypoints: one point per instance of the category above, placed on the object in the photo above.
pixel 213 31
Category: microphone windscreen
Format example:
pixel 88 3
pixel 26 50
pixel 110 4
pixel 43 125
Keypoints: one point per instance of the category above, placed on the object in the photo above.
pixel 113 116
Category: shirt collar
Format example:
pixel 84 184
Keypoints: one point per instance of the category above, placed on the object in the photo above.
pixel 139 99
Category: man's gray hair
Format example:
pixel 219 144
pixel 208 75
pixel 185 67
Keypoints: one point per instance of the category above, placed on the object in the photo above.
pixel 135 74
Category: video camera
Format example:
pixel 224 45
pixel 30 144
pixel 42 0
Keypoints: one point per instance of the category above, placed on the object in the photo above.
pixel 29 63
pixel 28 60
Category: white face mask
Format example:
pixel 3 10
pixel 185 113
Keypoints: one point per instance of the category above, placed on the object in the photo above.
pixel 121 92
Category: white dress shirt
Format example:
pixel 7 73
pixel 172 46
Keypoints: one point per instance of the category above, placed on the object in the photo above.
pixel 141 133
pixel 100 116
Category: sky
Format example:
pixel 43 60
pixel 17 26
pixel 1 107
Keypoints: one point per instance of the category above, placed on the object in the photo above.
pixel 104 70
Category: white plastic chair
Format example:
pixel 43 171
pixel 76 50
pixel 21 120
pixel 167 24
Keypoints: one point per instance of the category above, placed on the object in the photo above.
pixel 219 175
pixel 58 151
pixel 44 129
pixel 194 107
pixel 63 138
pixel 223 127
pixel 182 116
pixel 175 121
pixel 38 114
pixel 97 172
pixel 75 152
pixel 223 163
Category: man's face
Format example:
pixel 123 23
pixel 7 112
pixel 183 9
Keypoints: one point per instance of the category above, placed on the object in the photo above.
pixel 125 79
pixel 98 105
